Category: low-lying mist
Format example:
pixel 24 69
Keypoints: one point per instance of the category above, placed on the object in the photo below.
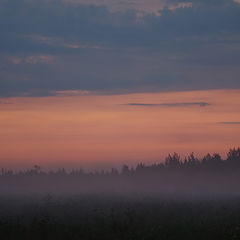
pixel 191 177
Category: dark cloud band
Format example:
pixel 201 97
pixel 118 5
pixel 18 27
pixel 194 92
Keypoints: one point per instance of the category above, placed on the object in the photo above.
pixel 183 104
pixel 48 46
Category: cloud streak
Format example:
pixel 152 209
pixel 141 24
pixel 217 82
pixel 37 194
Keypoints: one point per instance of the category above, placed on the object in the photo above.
pixel 37 59
pixel 4 102
pixel 181 104
pixel 230 123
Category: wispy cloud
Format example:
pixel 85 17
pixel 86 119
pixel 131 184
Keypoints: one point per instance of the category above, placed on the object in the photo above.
pixel 230 123
pixel 70 93
pixel 4 102
pixel 181 104
pixel 61 42
pixel 35 59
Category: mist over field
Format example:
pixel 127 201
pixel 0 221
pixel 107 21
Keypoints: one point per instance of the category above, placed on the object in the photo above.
pixel 176 178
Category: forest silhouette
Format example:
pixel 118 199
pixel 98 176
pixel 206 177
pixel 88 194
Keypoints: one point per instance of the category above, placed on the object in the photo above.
pixel 189 176
pixel 173 161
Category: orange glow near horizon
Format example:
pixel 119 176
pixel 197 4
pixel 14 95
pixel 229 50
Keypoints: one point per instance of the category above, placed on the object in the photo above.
pixel 90 130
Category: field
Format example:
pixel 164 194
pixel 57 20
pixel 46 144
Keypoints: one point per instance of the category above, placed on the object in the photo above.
pixel 115 218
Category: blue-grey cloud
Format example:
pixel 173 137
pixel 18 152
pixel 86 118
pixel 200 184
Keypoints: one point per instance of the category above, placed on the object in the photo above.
pixel 205 2
pixel 48 46
pixel 181 104
pixel 96 24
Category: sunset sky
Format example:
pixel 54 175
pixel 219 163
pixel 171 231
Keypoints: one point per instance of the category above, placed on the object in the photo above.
pixel 99 83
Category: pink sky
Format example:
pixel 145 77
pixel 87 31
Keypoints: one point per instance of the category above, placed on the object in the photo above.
pixel 83 129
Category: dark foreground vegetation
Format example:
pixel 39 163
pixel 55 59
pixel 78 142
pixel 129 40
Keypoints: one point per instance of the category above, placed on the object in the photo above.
pixel 92 217
pixel 180 199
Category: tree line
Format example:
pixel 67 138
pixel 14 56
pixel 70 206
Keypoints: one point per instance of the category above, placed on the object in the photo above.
pixel 173 162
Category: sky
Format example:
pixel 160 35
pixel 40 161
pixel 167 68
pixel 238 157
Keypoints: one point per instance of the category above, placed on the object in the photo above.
pixel 106 82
